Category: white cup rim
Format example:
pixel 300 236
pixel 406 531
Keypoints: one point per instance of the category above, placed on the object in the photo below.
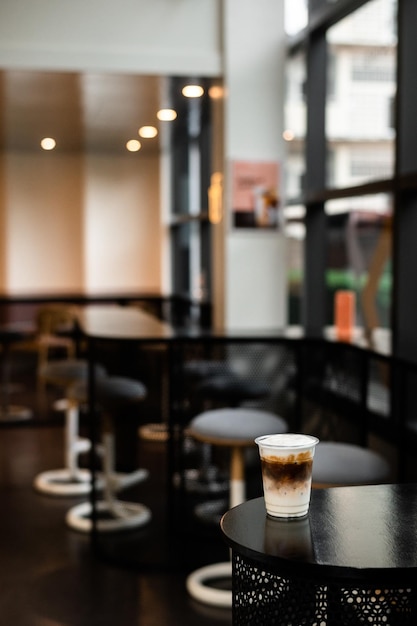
pixel 309 441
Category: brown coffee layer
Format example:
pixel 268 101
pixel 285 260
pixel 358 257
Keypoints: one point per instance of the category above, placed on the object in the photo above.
pixel 291 469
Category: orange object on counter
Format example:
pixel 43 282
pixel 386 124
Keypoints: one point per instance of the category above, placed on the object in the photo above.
pixel 344 314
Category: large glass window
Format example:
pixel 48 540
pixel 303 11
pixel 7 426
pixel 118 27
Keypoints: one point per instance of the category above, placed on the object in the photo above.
pixel 295 126
pixel 341 103
pixel 294 135
pixel 359 129
pixel 295 15
pixel 359 240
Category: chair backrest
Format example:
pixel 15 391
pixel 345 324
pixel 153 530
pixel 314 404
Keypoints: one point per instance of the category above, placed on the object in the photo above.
pixel 53 322
pixel 55 318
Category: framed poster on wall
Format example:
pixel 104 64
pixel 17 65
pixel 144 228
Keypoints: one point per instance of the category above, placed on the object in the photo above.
pixel 255 194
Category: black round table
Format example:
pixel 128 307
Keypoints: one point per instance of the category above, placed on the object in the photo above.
pixel 351 561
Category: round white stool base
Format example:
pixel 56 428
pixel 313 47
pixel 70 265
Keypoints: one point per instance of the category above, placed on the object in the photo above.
pixel 154 432
pixel 15 413
pixel 61 482
pixel 132 515
pixel 197 587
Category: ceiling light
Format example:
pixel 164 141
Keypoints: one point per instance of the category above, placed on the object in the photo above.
pixel 133 145
pixel 216 92
pixel 166 115
pixel 192 91
pixel 48 143
pixel 288 135
pixel 148 132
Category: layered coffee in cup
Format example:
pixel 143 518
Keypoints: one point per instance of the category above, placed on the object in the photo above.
pixel 287 464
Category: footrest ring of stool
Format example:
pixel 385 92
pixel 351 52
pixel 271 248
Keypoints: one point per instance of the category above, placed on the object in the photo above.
pixel 79 517
pixel 198 586
pixel 61 482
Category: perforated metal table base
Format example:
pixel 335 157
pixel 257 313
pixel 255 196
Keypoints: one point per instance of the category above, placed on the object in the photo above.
pixel 264 598
pixel 351 562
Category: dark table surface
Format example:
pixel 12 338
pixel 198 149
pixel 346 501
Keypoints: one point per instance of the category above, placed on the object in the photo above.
pixel 131 323
pixel 365 533
pixel 121 323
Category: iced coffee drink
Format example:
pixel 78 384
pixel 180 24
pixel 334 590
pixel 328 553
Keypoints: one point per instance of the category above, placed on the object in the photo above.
pixel 287 463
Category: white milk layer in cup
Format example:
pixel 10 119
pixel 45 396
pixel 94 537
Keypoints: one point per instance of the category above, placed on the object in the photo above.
pixel 287 464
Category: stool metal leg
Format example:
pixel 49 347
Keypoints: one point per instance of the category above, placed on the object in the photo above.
pixel 198 582
pixel 237 477
pixel 123 515
pixel 70 480
pixel 74 445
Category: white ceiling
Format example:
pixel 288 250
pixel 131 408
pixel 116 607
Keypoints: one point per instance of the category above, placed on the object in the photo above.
pixel 93 112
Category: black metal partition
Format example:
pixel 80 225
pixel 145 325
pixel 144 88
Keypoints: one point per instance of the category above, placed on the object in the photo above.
pixel 339 391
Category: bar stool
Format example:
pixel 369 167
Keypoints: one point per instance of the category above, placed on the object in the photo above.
pixel 71 480
pixel 206 477
pixel 232 389
pixel 237 429
pixel 53 321
pixel 339 464
pixel 114 394
pixel 219 386
pixel 194 372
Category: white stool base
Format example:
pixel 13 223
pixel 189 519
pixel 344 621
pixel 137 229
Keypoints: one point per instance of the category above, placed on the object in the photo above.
pixel 198 588
pixel 126 515
pixel 154 432
pixel 62 482
pixel 15 413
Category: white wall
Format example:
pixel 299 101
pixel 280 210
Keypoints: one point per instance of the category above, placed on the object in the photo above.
pixel 42 238
pixel 80 223
pixel 138 36
pixel 255 291
pixel 122 222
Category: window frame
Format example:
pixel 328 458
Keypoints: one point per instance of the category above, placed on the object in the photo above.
pixel 402 185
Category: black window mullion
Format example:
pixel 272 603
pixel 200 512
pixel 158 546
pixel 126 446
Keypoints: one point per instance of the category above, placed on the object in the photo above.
pixel 313 310
pixel 405 216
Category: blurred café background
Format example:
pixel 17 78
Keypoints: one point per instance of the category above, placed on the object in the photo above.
pixel 226 169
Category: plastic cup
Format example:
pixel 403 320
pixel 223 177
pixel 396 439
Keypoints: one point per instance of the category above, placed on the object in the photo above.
pixel 287 464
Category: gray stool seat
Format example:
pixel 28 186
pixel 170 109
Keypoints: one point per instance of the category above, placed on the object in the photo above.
pixel 232 389
pixel 70 480
pixel 113 394
pixel 228 389
pixel 194 372
pixel 337 463
pixel 117 392
pixel 215 382
pixel 66 372
pixel 236 428
pixel 201 369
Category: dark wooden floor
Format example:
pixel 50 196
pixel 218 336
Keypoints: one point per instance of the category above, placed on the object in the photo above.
pixel 48 573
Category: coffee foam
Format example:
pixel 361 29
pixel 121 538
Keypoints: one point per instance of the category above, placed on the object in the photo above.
pixel 287 440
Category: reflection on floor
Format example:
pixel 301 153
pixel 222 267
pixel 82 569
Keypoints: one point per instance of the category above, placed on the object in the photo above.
pixel 48 573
